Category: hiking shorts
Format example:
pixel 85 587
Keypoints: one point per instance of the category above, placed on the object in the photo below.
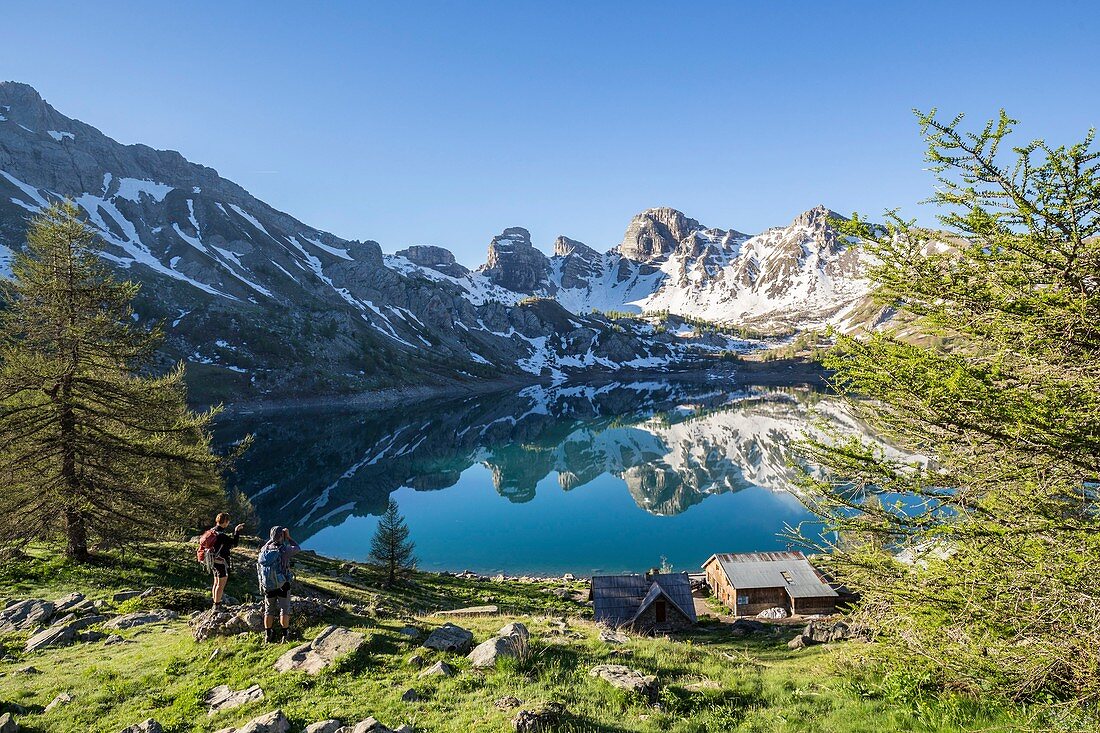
pixel 221 569
pixel 277 602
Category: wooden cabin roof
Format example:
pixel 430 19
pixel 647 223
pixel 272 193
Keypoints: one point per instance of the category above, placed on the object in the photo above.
pixel 790 571
pixel 619 599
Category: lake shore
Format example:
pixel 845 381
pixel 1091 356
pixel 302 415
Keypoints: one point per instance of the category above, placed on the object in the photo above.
pixel 744 371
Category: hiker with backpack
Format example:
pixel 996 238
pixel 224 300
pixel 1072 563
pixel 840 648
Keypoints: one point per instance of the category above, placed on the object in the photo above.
pixel 273 571
pixel 214 546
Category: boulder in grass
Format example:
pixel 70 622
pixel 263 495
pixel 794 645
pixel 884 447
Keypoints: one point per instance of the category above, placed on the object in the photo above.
pixel 439 669
pixel 146 726
pixel 63 698
pixel 273 722
pixel 140 618
pixel 546 719
pixel 625 678
pixel 449 638
pixel 223 697
pixel 330 645
pixel 324 726
pixel 8 724
pixel 23 615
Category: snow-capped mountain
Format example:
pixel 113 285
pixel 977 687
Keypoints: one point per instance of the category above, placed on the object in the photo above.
pixel 260 303
pixel 803 275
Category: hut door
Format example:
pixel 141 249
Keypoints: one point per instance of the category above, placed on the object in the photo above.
pixel 662 610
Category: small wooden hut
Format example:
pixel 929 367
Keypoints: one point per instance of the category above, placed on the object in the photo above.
pixel 751 582
pixel 652 603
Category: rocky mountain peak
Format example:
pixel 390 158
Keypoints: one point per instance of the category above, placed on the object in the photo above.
pixel 437 258
pixel 514 263
pixel 656 232
pixel 564 247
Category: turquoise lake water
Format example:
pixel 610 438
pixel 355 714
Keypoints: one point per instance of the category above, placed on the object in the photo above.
pixel 552 479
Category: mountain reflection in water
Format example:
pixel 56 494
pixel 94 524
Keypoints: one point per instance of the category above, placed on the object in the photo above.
pixel 534 481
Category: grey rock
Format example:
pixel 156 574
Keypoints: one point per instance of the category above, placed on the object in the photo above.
pixel 825 632
pixel 244 618
pixel 370 725
pixel 8 724
pixel 62 698
pixel 449 638
pixel 410 631
pixel 324 726
pixel 545 719
pixel 508 702
pixel 773 613
pixel 140 618
pixel 508 642
pixel 437 258
pixel 125 595
pixel 61 633
pixel 798 642
pixel 146 726
pixel 439 669
pixel 68 603
pixel 628 679
pixel 273 722
pixel 610 636
pixel 514 263
pixel 26 614
pixel 223 697
pixel 113 639
pixel 332 644
pixel 410 695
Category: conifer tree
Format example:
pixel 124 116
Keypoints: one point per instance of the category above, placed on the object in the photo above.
pixel 390 548
pixel 93 446
pixel 979 563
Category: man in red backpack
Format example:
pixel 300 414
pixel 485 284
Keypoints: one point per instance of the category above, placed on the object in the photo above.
pixel 215 546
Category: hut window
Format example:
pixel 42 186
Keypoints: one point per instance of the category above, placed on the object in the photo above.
pixel 742 600
pixel 662 611
pixel 786 576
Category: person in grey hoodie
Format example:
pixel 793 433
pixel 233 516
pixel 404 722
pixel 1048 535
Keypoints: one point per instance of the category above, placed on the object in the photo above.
pixel 277 597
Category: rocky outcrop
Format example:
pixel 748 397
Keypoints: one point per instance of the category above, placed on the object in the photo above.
pixel 515 264
pixel 140 618
pixel 249 617
pixel 331 645
pixel 625 678
pixel 655 233
pixel 449 638
pixel 273 722
pixel 8 724
pixel 62 632
pixel 437 258
pixel 26 614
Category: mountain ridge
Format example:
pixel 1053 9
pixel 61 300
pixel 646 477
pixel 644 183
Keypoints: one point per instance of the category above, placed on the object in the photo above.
pixel 260 303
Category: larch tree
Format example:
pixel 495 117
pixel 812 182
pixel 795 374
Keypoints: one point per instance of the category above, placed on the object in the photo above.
pixel 390 548
pixel 93 445
pixel 978 562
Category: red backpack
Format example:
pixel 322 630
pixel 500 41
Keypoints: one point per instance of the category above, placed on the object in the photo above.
pixel 205 552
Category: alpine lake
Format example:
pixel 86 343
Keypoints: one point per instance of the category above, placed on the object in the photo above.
pixel 547 479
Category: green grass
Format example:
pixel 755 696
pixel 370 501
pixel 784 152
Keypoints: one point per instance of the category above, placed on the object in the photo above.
pixel 758 684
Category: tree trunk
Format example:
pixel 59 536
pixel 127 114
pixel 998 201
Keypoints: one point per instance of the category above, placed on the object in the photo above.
pixel 76 530
pixel 76 536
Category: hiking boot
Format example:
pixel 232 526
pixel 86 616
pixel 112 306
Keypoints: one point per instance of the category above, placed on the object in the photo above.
pixel 269 636
pixel 285 635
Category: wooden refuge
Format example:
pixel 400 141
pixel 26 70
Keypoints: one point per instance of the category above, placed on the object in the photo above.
pixel 751 582
pixel 652 603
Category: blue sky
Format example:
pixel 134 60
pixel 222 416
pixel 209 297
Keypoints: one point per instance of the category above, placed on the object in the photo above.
pixel 443 123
